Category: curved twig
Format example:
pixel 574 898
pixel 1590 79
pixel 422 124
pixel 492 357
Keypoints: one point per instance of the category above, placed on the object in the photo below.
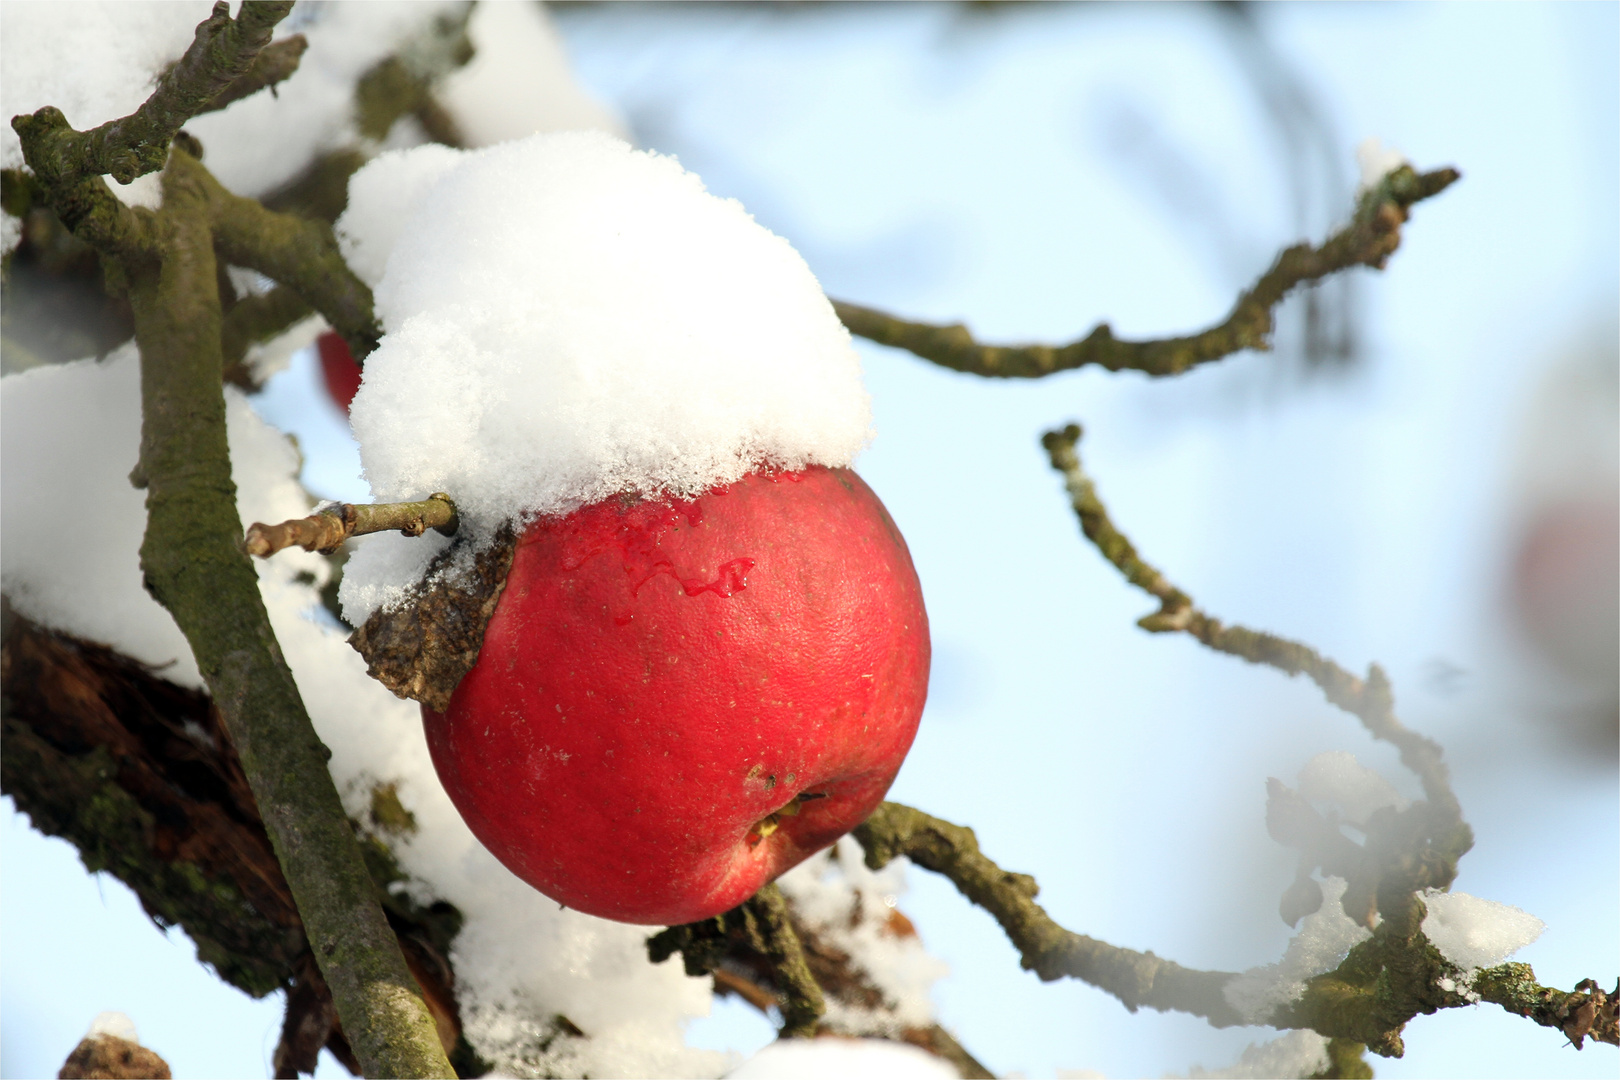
pixel 1370 238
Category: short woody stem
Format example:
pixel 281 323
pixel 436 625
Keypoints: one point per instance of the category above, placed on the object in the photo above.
pixel 325 529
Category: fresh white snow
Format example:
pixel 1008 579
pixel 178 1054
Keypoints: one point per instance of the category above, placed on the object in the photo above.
pixel 1323 941
pixel 566 319
pixel 1475 933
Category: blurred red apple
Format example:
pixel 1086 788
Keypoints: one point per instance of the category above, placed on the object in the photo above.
pixel 338 368
pixel 676 702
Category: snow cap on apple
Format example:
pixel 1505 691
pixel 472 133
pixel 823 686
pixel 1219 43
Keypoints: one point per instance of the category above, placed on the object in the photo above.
pixel 711 653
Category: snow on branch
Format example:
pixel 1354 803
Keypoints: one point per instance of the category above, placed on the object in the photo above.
pixel 1371 237
pixel 218 67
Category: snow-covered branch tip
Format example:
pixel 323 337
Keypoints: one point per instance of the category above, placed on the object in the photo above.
pixel 219 66
pixel 1384 982
pixel 1371 237
pixel 1370 700
pixel 326 529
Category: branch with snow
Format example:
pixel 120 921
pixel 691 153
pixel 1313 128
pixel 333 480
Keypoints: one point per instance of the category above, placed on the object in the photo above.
pixel 222 53
pixel 1369 239
pixel 1337 979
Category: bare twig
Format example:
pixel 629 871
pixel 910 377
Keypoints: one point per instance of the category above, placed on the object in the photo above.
pixel 1044 947
pixel 324 530
pixel 274 65
pixel 1370 699
pixel 1370 238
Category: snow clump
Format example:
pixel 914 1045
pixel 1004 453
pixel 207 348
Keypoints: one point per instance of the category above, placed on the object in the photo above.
pixel 1297 1053
pixel 1474 933
pixel 852 908
pixel 847 1059
pixel 1323 941
pixel 1336 777
pixel 567 319
pixel 1376 161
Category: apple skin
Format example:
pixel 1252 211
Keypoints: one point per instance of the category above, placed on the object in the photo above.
pixel 338 369
pixel 659 678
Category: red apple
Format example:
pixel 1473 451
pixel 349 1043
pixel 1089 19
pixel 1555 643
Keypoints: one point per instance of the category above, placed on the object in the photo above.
pixel 676 702
pixel 338 368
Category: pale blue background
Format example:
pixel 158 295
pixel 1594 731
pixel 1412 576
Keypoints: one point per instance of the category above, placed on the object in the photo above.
pixel 950 163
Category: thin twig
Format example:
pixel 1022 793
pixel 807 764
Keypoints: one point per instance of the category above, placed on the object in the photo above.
pixel 325 529
pixel 1370 700
pixel 1044 947
pixel 1370 238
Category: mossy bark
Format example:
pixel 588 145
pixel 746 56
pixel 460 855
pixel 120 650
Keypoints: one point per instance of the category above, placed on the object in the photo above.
pixel 194 565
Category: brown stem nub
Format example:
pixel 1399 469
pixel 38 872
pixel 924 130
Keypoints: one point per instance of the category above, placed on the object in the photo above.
pixel 325 529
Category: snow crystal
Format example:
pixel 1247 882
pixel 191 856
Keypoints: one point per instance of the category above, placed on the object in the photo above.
pixel 1376 161
pixel 115 1024
pixel 1323 940
pixel 567 318
pixel 847 1059
pixel 1337 777
pixel 853 909
pixel 71 435
pixel 1297 1053
pixel 1474 933
pixel 518 81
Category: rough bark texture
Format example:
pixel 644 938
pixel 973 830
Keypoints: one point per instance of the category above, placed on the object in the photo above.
pixel 140 776
pixel 107 1057
pixel 421 650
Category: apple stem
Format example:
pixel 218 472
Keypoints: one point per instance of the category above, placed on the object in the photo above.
pixel 327 528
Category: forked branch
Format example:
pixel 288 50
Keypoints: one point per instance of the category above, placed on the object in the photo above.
pixel 1371 237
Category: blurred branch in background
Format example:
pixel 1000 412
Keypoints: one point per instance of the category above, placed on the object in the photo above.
pixel 1370 238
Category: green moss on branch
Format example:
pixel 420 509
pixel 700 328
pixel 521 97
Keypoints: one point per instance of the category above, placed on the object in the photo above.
pixel 1370 238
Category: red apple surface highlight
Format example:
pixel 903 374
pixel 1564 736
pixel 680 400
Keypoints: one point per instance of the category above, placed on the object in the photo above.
pixel 676 702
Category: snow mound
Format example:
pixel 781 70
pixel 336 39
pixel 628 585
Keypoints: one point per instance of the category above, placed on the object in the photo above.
pixel 847 1059
pixel 567 319
pixel 1336 777
pixel 1323 941
pixel 1297 1053
pixel 1474 933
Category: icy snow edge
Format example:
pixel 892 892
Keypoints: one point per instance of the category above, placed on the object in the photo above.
pixel 566 319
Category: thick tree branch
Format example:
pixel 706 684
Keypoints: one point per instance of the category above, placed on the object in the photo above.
pixel 324 530
pixel 195 567
pixel 1370 238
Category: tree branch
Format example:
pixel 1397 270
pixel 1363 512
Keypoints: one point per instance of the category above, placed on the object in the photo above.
pixel 1370 700
pixel 1368 999
pixel 1044 947
pixel 255 319
pixel 222 53
pixel 195 567
pixel 1370 238
pixel 324 530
